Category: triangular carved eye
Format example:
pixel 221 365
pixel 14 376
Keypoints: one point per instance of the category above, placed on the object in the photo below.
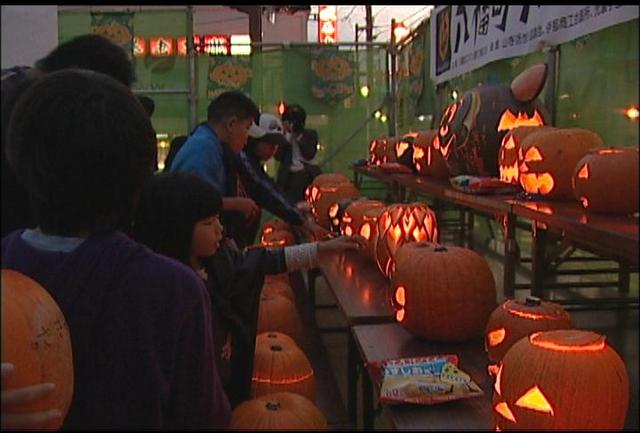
pixel 498 383
pixel 503 409
pixel 532 154
pixel 534 399
pixel 584 172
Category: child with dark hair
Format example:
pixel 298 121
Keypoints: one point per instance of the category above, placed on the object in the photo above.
pixel 178 216
pixel 140 323
pixel 92 52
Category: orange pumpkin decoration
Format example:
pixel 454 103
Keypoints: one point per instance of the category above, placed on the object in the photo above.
pixel 328 195
pixel 369 230
pixel 404 148
pixel 336 212
pixel 442 293
pixel 513 320
pixel 605 170
pixel 382 150
pixel 36 340
pixel 274 287
pixel 508 162
pixel 273 225
pixel 280 366
pixel 277 313
pixel 279 411
pixel 399 224
pixel 561 380
pixel 549 157
pixel 278 238
pixel 427 158
pixel 353 216
pixel 311 193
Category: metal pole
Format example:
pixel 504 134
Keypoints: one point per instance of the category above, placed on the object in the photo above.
pixel 551 54
pixel 193 95
pixel 393 125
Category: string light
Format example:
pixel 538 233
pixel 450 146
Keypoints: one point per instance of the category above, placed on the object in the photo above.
pixel 632 113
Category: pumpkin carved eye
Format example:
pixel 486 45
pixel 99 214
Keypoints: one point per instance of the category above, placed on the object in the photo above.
pixel 533 154
pixel 496 337
pixel 503 409
pixel 365 231
pixel 534 399
pixel 584 172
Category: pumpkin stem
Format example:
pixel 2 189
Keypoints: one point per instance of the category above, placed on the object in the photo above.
pixel 532 301
pixel 276 348
pixel 272 405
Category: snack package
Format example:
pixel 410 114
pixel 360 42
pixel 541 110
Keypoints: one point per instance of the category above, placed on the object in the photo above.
pixel 423 380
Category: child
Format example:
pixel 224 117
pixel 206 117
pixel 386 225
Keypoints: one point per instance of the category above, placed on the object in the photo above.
pixel 140 323
pixel 178 216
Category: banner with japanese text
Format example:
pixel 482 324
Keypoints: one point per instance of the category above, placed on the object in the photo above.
pixel 465 38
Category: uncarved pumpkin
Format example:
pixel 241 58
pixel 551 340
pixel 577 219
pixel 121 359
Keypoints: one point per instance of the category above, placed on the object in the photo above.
pixel 36 340
pixel 277 313
pixel 607 180
pixel 427 158
pixel 278 238
pixel 515 319
pixel 442 293
pixel 279 411
pixel 353 216
pixel 561 380
pixel 549 158
pixel 329 194
pixel 274 287
pixel 508 162
pixel 280 366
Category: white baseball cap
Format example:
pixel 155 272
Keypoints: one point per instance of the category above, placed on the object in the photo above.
pixel 268 128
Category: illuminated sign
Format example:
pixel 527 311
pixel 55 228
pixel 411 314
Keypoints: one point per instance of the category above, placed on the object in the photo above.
pixel 240 45
pixel 161 46
pixel 328 24
pixel 139 46
pixel 212 45
pixel 216 45
pixel 181 43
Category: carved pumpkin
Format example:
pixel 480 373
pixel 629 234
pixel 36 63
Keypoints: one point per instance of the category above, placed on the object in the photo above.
pixel 508 162
pixel 280 366
pixel 561 380
pixel 382 150
pixel 336 212
pixel 353 216
pixel 327 196
pixel 35 339
pixel 278 314
pixel 399 224
pixel 549 157
pixel 279 411
pixel 311 193
pixel 275 287
pixel 442 293
pixel 278 239
pixel 369 230
pixel 513 320
pixel 427 158
pixel 602 171
pixel 272 225
pixel 404 149
pixel 471 128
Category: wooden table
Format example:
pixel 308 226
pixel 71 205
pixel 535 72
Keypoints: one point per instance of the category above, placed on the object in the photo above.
pixel 390 341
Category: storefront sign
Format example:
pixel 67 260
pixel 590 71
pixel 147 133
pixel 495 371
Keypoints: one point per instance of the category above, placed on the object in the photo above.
pixel 328 24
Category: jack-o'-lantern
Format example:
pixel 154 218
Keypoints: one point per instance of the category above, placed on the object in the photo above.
pixel 353 216
pixel 278 238
pixel 336 212
pixel 471 128
pixel 369 230
pixel 311 192
pixel 561 380
pixel 278 412
pixel 399 224
pixel 279 365
pixel 328 195
pixel 442 293
pixel 36 340
pixel 508 162
pixel 549 157
pixel 278 314
pixel 275 287
pixel 427 158
pixel 515 319
pixel 272 225
pixel 404 149
pixel 605 170
pixel 382 150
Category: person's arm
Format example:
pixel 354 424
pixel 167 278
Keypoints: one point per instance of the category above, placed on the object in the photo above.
pixel 204 160
pixel 244 205
pixel 305 256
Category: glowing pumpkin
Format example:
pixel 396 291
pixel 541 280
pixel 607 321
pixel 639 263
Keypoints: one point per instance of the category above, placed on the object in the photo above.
pixel 561 380
pixel 549 157
pixel 514 319
pixel 272 225
pixel 508 162
pixel 399 224
pixel 278 239
pixel 328 195
pixel 427 159
pixel 275 287
pixel 278 412
pixel 382 150
pixel 311 193
pixel 35 339
pixel 369 230
pixel 442 293
pixel 404 149
pixel 471 128
pixel 605 170
pixel 353 216
pixel 336 212
pixel 278 314
pixel 280 366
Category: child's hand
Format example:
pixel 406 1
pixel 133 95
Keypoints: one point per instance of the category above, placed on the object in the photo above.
pixel 342 243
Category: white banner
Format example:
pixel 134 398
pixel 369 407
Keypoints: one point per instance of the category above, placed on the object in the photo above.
pixel 464 38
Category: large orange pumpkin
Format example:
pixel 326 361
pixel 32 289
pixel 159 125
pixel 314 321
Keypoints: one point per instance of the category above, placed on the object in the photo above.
pixel 279 365
pixel 515 319
pixel 442 293
pixel 607 180
pixel 275 287
pixel 549 158
pixel 311 193
pixel 277 313
pixel 399 224
pixel 353 216
pixel 561 380
pixel 427 158
pixel 35 339
pixel 279 411
pixel 328 195
pixel 508 162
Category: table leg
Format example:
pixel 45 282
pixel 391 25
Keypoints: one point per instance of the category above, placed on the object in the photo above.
pixel 352 379
pixel 367 401
pixel 510 250
pixel 538 248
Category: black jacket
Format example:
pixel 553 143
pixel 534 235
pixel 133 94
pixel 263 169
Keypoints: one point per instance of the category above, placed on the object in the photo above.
pixel 308 144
